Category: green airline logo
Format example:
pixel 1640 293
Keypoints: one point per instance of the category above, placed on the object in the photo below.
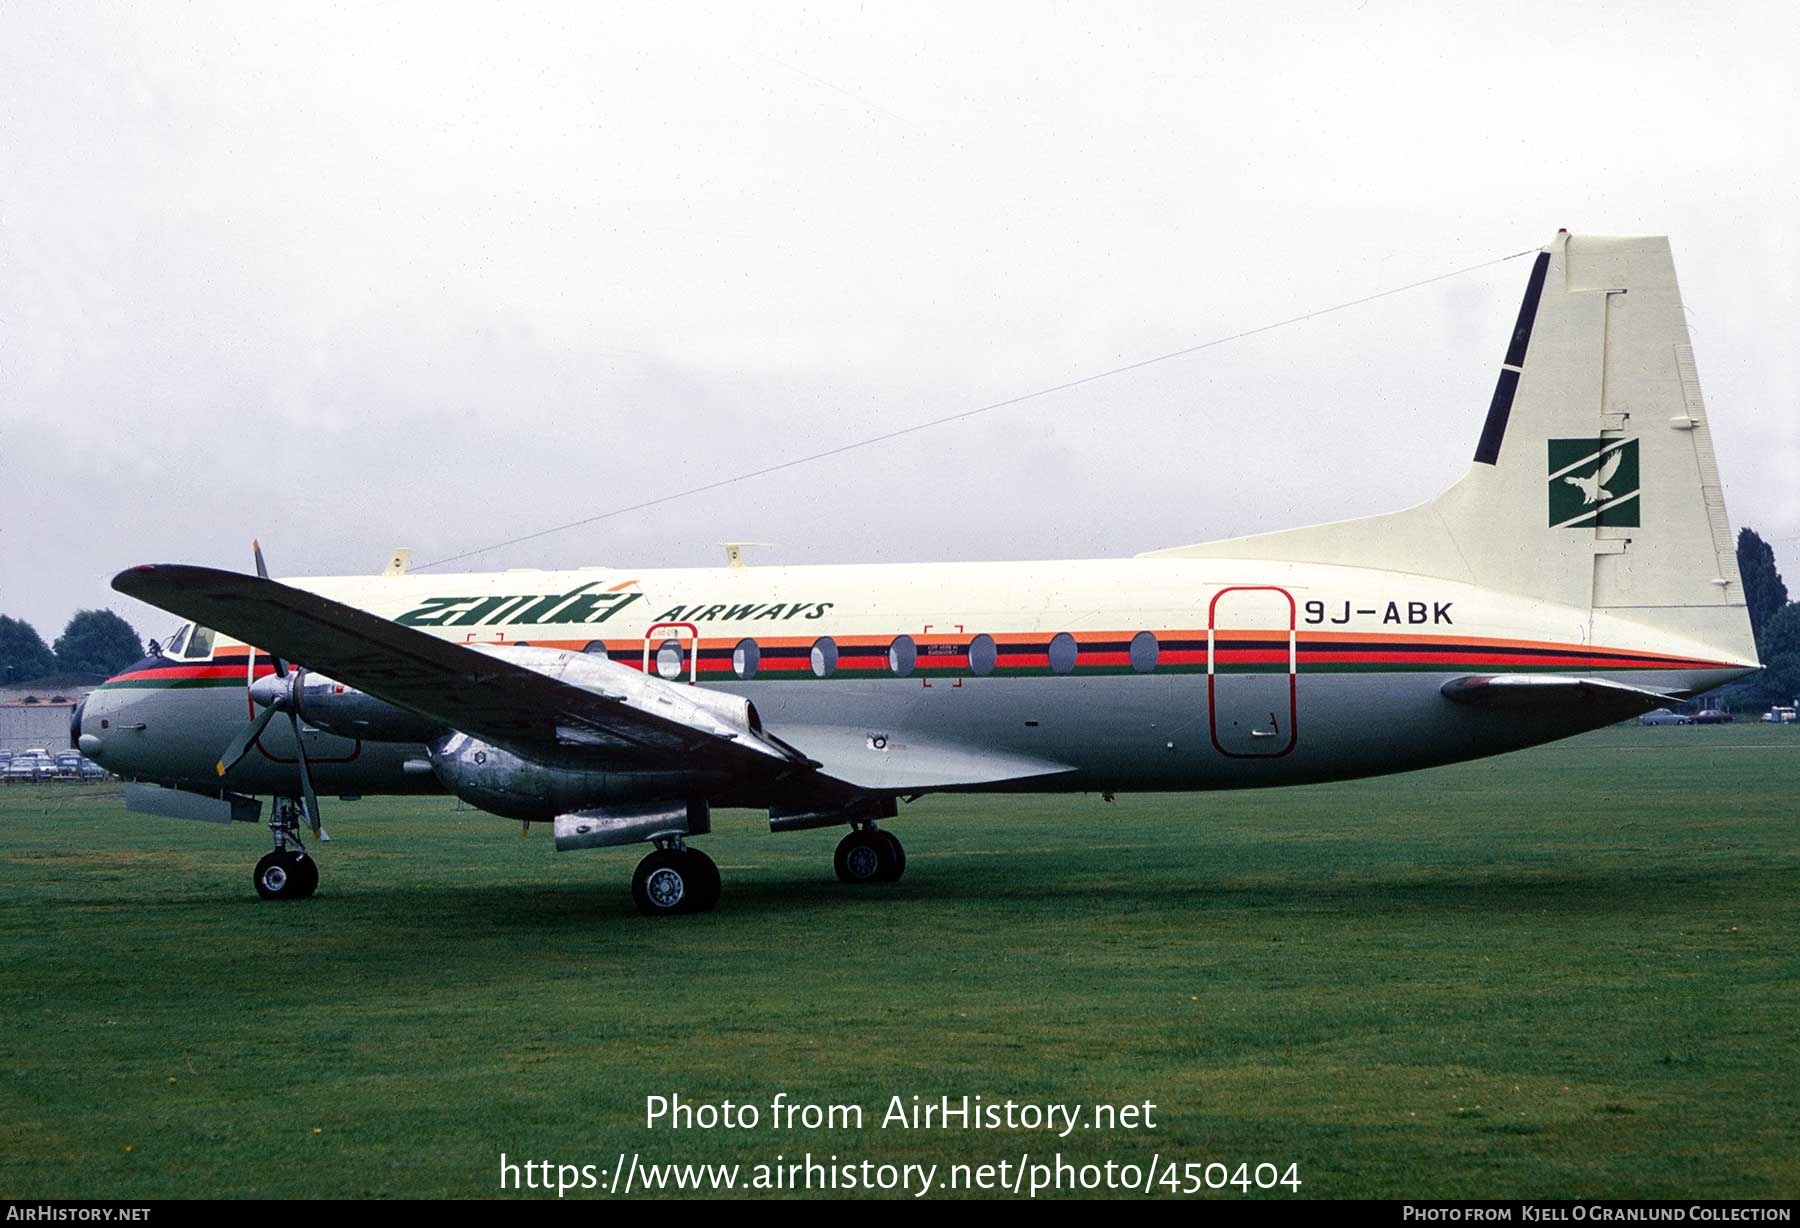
pixel 1593 483
pixel 575 606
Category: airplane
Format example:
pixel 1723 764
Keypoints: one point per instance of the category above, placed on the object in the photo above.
pixel 1582 572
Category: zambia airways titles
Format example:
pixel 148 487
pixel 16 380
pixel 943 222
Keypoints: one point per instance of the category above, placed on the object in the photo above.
pixel 581 606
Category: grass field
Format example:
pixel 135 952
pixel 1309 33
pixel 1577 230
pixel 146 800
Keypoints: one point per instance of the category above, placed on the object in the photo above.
pixel 1569 972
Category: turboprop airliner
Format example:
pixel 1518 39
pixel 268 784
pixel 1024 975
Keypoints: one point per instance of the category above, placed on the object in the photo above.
pixel 1583 571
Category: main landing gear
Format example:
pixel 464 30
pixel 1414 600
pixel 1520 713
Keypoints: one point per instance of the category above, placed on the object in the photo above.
pixel 288 873
pixel 869 855
pixel 675 879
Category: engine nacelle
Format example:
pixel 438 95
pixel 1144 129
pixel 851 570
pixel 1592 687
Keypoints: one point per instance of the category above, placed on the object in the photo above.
pixel 804 818
pixel 500 782
pixel 605 826
pixel 350 713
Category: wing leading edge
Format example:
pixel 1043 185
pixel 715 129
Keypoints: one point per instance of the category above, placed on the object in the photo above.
pixel 531 711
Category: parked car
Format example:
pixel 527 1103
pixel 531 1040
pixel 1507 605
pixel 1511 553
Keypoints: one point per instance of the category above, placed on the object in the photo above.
pixel 1665 716
pixel 1781 716
pixel 91 770
pixel 28 767
pixel 68 765
pixel 1713 716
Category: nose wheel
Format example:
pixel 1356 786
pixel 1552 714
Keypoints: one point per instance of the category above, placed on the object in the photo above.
pixel 869 855
pixel 288 873
pixel 675 879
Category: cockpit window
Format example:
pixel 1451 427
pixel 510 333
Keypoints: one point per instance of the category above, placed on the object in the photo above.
pixel 199 645
pixel 178 641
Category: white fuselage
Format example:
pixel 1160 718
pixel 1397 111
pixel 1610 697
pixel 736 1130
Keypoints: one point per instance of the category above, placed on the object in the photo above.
pixel 1131 674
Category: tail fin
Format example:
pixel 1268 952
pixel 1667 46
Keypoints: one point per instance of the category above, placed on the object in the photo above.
pixel 1594 483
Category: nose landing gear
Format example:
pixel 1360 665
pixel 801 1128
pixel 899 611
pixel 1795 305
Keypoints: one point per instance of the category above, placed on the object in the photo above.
pixel 288 873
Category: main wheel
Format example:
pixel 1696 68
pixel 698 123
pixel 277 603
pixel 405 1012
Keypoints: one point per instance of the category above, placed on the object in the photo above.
pixel 865 856
pixel 896 856
pixel 286 875
pixel 706 882
pixel 671 881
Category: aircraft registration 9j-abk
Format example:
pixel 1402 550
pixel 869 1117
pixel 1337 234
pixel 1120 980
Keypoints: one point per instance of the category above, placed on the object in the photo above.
pixel 1582 571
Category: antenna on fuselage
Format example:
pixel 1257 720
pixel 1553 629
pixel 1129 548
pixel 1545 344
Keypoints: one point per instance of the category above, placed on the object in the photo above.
pixel 734 553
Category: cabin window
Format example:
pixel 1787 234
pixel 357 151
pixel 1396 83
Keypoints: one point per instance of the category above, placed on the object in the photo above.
pixel 668 659
pixel 824 656
pixel 903 654
pixel 1144 652
pixel 178 641
pixel 1063 653
pixel 982 655
pixel 199 645
pixel 745 658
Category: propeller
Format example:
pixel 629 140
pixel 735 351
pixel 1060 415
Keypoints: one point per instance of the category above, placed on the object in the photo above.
pixel 280 693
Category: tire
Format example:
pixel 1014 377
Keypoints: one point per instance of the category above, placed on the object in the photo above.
pixel 863 857
pixel 286 875
pixel 896 856
pixel 707 884
pixel 666 884
pixel 306 869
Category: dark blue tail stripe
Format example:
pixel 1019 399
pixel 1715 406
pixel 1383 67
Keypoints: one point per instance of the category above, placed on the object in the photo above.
pixel 1487 452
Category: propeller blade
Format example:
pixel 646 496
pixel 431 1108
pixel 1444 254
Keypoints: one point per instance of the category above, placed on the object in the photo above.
pixel 240 745
pixel 306 785
pixel 262 569
pixel 281 671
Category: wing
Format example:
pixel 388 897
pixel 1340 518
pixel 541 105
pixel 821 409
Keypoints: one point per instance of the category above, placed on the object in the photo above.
pixel 493 697
pixel 1611 466
pixel 1554 693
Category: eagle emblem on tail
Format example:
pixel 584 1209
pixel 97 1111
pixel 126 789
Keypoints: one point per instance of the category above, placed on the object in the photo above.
pixel 1593 489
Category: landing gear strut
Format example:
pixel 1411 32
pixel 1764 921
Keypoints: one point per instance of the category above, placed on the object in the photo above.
pixel 869 855
pixel 288 873
pixel 675 879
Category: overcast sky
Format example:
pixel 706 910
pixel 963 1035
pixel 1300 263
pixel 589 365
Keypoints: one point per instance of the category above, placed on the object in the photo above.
pixel 441 275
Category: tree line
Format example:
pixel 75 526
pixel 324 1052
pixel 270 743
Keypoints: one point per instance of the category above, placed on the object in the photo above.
pixel 1774 619
pixel 96 642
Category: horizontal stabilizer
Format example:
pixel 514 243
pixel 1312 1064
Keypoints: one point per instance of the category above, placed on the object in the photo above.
pixel 1554 693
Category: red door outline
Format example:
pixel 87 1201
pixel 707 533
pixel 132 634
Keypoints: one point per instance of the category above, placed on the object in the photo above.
pixel 693 649
pixel 1212 710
